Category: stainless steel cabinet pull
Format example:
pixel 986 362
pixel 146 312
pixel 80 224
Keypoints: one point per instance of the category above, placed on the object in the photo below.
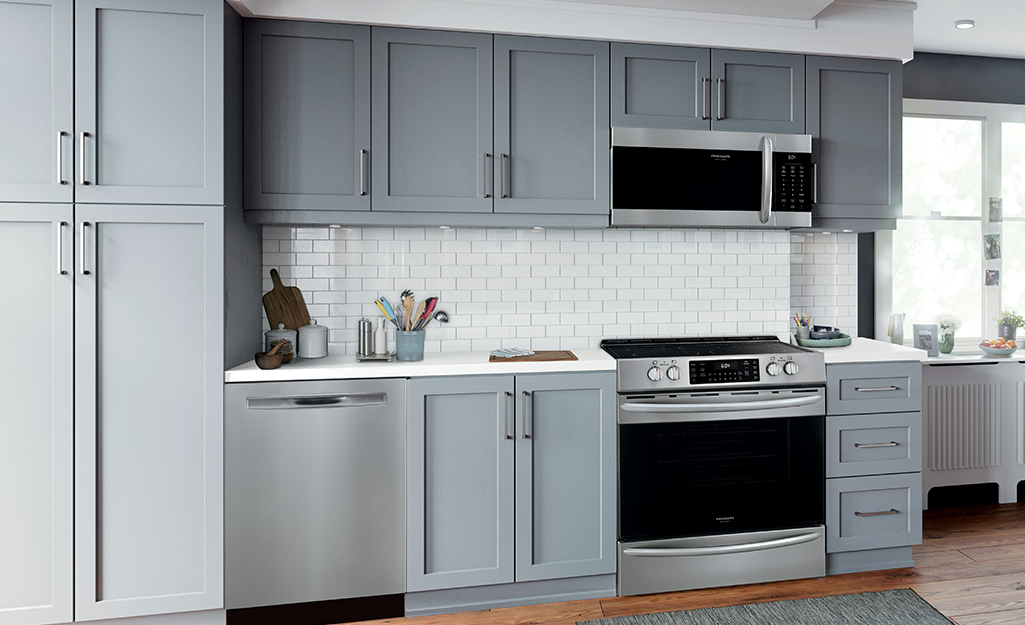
pixel 341 400
pixel 890 511
pixel 704 98
pixel 362 172
pixel 718 91
pixel 524 406
pixel 502 163
pixel 870 445
pixel 486 194
pixel 876 390
pixel 766 211
pixel 505 429
pixel 664 552
pixel 814 183
pixel 81 248
pixel 60 158
pixel 81 157
pixel 60 247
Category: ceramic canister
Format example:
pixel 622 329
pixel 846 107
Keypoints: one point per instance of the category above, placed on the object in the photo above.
pixel 273 336
pixel 312 340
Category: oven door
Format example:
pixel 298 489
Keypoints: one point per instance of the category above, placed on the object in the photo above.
pixel 717 463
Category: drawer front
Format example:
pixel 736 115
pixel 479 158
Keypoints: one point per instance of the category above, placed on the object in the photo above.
pixel 873 512
pixel 873 444
pixel 874 387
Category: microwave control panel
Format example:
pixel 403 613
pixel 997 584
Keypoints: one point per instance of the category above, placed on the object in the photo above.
pixel 791 183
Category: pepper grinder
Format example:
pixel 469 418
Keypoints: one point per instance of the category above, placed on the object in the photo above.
pixel 380 338
pixel 366 337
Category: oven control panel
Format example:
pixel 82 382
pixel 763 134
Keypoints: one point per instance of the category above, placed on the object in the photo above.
pixel 720 371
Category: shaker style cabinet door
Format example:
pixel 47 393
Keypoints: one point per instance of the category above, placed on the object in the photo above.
pixel 854 118
pixel 661 86
pixel 432 116
pixel 149 113
pixel 36 67
pixel 551 126
pixel 307 116
pixel 149 332
pixel 459 482
pixel 36 420
pixel 757 91
pixel 565 475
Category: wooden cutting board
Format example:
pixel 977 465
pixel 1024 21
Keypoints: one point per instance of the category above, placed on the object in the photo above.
pixel 539 356
pixel 285 304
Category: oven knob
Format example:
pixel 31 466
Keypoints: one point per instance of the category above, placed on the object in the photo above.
pixel 654 374
pixel 774 369
pixel 673 373
pixel 790 368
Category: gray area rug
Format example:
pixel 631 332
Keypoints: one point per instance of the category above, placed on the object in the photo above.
pixel 897 607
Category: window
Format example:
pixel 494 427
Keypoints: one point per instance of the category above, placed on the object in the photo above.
pixel 950 252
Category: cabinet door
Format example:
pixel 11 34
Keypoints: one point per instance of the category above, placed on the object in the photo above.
pixel 149 112
pixel 460 482
pixel 432 119
pixel 551 126
pixel 148 410
pixel 660 86
pixel 565 475
pixel 307 122
pixel 854 118
pixel 36 100
pixel 757 91
pixel 36 424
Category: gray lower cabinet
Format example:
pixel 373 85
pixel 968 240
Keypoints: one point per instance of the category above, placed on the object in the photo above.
pixel 307 116
pixel 510 479
pixel 854 118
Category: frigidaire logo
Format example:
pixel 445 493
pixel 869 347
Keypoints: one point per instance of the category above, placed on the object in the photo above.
pixel 720 156
pixel 724 519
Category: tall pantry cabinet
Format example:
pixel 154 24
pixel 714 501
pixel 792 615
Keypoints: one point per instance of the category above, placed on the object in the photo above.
pixel 120 189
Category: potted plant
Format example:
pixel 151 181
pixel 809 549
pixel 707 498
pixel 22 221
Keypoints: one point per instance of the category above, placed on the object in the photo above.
pixel 948 324
pixel 1008 323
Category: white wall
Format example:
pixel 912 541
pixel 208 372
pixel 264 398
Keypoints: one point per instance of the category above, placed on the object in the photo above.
pixel 824 278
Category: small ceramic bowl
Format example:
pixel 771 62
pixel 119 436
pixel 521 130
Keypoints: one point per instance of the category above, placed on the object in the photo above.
pixel 996 351
pixel 265 361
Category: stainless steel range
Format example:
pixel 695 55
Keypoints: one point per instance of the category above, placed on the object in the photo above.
pixel 721 462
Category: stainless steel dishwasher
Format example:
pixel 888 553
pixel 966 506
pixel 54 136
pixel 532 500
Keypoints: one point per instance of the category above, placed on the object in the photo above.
pixel 314 491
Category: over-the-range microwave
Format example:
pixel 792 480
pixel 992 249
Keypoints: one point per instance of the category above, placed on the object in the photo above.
pixel 664 178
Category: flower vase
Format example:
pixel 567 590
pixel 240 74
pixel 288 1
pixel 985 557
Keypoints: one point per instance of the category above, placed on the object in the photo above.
pixel 1007 332
pixel 946 343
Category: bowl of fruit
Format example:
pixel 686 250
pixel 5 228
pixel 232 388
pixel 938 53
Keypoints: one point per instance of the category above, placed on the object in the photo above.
pixel 1000 347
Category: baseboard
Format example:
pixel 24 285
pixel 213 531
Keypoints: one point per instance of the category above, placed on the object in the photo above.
pixel 868 560
pixel 509 595
pixel 201 617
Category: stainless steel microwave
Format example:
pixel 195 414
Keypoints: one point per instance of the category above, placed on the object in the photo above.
pixel 665 178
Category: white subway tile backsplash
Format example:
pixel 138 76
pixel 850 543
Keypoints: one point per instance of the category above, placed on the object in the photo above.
pixel 824 279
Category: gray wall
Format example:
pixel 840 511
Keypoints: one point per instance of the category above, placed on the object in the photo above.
pixel 965 78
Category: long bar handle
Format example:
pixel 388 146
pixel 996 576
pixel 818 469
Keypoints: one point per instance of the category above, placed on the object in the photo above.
pixel 81 248
pixel 505 429
pixel 789 402
pixel 814 183
pixel 60 158
pixel 704 98
pixel 362 172
pixel 870 445
pixel 81 157
pixel 718 90
pixel 501 159
pixel 766 212
pixel 60 247
pixel 707 551
pixel 486 194
pixel 523 405
pixel 880 389
pixel 881 513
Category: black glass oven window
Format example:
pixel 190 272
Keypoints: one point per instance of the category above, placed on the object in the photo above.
pixel 688 479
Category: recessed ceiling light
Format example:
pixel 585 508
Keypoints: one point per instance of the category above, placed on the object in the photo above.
pixel 964 24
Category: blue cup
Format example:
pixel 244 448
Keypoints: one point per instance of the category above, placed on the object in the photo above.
pixel 409 345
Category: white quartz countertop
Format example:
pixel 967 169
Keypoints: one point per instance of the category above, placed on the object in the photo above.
pixel 973 357
pixel 433 364
pixel 869 350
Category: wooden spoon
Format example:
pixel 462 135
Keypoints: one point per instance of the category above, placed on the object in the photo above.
pixel 408 304
pixel 419 313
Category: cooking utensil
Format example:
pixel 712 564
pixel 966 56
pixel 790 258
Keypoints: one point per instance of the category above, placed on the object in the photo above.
pixel 441 316
pixel 419 313
pixel 422 321
pixel 285 304
pixel 388 313
pixel 407 303
pixel 271 359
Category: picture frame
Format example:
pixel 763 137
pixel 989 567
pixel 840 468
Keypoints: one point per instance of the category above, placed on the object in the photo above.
pixel 926 336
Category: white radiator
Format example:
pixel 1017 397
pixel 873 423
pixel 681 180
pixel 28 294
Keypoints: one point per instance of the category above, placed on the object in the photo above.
pixel 962 423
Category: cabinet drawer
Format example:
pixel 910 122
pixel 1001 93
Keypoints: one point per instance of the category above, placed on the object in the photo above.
pixel 873 444
pixel 874 387
pixel 873 512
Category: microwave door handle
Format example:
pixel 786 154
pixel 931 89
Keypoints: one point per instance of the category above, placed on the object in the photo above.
pixel 766 212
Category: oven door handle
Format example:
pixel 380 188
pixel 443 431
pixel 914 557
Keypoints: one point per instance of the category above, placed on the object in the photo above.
pixel 676 552
pixel 761 404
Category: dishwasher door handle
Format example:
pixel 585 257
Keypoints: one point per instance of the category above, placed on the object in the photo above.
pixel 338 400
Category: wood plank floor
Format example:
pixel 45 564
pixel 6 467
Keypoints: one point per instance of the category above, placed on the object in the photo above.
pixel 970 566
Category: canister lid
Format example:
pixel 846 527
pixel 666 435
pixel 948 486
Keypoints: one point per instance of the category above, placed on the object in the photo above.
pixel 313 329
pixel 281 333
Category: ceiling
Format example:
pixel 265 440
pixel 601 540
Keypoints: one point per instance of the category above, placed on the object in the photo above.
pixel 997 32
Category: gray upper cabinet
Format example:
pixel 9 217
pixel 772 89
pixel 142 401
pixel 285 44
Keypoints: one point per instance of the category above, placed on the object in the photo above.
pixel 660 86
pixel 757 91
pixel 149 112
pixel 36 422
pixel 854 118
pixel 551 126
pixel 432 120
pixel 36 64
pixel 307 116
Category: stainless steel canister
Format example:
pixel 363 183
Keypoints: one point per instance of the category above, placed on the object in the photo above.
pixel 366 337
